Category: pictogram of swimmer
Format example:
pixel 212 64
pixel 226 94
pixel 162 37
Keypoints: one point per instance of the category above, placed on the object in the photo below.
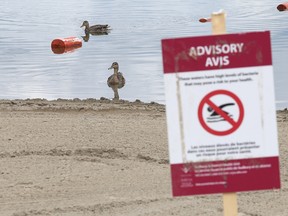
pixel 215 117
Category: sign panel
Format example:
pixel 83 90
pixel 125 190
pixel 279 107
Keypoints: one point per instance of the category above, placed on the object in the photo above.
pixel 221 114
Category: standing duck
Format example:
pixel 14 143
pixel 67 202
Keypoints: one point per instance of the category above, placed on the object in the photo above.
pixel 95 28
pixel 116 80
pixel 117 77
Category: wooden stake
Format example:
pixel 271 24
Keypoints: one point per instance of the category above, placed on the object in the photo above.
pixel 230 204
pixel 229 199
pixel 218 22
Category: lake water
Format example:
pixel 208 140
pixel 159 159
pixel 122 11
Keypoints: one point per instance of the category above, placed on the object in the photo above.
pixel 29 69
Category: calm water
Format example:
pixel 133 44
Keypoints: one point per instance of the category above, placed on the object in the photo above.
pixel 29 69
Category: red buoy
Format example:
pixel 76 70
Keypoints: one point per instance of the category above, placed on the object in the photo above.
pixel 204 20
pixel 283 6
pixel 63 45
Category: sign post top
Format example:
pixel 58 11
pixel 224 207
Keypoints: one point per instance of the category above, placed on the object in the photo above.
pixel 219 22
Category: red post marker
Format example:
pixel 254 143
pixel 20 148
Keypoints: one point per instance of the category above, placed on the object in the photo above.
pixel 63 45
pixel 204 20
pixel 283 6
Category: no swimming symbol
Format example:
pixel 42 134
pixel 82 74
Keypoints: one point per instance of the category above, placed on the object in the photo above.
pixel 221 112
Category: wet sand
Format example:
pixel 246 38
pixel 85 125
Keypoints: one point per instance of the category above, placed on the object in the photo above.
pixel 101 157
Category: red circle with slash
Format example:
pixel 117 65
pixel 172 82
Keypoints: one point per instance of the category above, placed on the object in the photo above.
pixel 235 124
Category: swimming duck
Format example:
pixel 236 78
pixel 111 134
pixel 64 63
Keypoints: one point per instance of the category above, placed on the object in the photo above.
pixel 117 77
pixel 95 28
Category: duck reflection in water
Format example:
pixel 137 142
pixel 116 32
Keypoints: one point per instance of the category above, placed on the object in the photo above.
pixel 94 30
pixel 116 80
pixel 86 37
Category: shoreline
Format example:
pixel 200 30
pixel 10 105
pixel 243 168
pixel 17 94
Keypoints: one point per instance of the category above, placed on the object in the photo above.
pixel 77 104
pixel 88 102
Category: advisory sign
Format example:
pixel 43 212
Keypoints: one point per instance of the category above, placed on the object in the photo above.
pixel 221 113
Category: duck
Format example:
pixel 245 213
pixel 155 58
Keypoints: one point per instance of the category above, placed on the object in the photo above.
pixel 117 78
pixel 95 28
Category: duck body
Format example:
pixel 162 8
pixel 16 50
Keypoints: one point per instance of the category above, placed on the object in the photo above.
pixel 117 78
pixel 95 28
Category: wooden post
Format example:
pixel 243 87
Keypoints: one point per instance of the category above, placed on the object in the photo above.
pixel 229 199
pixel 218 22
pixel 230 204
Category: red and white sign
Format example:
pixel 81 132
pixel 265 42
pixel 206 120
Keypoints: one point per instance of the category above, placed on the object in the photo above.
pixel 221 114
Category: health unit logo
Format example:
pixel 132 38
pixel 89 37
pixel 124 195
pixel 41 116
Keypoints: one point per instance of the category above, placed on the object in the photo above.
pixel 220 112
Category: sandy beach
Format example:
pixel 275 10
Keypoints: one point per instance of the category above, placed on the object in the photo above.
pixel 102 157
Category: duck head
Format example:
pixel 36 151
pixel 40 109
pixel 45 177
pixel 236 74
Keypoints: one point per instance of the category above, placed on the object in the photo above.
pixel 85 23
pixel 114 65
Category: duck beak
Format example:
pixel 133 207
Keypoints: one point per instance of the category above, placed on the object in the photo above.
pixel 110 68
pixel 81 26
